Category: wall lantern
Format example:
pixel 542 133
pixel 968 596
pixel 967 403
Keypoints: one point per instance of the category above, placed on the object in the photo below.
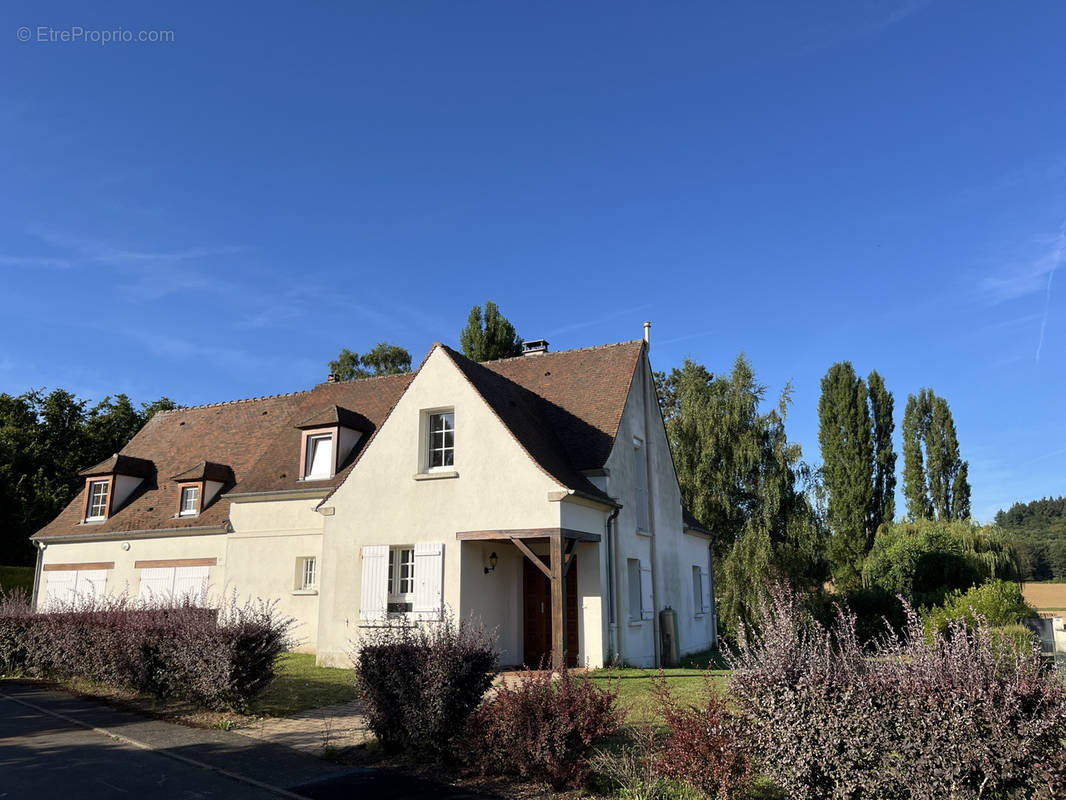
pixel 492 562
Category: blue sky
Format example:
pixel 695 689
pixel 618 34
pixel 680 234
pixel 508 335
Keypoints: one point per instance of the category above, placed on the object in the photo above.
pixel 214 217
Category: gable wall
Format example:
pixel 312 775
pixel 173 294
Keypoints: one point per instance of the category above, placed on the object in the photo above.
pixel 381 502
pixel 665 547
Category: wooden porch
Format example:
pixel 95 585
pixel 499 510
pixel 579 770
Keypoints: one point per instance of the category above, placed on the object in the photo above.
pixel 561 549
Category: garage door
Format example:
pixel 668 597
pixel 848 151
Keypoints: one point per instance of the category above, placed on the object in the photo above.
pixel 67 588
pixel 163 584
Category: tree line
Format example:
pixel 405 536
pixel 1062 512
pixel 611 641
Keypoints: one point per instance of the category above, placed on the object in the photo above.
pixel 45 441
pixel 1039 531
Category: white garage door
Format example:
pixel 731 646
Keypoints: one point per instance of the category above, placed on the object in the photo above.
pixel 66 588
pixel 163 584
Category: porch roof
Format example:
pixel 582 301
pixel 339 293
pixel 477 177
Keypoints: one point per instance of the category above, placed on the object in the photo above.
pixel 507 534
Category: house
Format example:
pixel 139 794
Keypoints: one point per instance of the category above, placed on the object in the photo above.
pixel 536 493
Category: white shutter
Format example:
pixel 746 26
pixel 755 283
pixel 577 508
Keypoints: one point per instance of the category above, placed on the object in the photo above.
pixel 190 582
pixel 705 589
pixel 374 592
pixel 91 584
pixel 647 604
pixel 429 580
pixel 157 585
pixel 59 588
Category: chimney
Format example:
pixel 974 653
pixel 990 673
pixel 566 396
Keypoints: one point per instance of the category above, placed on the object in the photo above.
pixel 647 333
pixel 535 347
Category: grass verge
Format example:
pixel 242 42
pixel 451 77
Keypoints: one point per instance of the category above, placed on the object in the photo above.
pixel 16 578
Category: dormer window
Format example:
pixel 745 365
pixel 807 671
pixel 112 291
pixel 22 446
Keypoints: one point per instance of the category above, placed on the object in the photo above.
pixel 190 501
pixel 318 459
pixel 98 497
pixel 328 440
pixel 111 483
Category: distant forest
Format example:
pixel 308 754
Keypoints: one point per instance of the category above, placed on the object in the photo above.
pixel 1039 532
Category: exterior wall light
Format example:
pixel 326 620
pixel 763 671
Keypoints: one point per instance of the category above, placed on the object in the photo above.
pixel 492 562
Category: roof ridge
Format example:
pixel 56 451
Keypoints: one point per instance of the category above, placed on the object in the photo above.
pixel 367 378
pixel 560 352
pixel 233 402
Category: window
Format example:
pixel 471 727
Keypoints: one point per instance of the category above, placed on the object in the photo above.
pixel 98 500
pixel 190 501
pixel 440 437
pixel 640 489
pixel 401 580
pixel 308 576
pixel 319 456
pixel 633 571
pixel 697 589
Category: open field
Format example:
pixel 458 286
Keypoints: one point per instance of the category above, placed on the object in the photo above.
pixel 1047 598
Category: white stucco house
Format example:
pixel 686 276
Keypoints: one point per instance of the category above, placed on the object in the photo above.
pixel 537 493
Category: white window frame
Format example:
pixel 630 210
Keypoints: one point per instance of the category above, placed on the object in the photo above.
pixel 185 492
pixel 445 451
pixel 89 515
pixel 308 573
pixel 309 451
pixel 401 602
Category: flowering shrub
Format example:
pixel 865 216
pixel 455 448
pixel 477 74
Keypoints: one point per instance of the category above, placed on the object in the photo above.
pixel 702 749
pixel 545 727
pixel 214 657
pixel 420 684
pixel 961 714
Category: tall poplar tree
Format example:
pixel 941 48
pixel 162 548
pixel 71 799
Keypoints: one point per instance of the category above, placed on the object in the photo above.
pixel 846 436
pixel 489 335
pixel 882 407
pixel 935 478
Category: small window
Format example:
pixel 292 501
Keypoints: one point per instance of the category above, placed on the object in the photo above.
pixel 633 572
pixel 98 500
pixel 319 457
pixel 697 589
pixel 308 573
pixel 401 579
pixel 190 501
pixel 640 488
pixel 440 437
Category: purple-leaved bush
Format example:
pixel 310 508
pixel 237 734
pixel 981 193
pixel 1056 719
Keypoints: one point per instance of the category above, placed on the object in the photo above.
pixel 958 714
pixel 217 658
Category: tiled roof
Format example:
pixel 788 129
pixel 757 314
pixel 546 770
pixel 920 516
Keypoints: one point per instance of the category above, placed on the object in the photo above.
pixel 120 464
pixel 235 433
pixel 335 415
pixel 563 408
pixel 207 471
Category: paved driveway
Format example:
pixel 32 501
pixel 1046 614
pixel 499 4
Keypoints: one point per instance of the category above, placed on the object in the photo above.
pixel 55 745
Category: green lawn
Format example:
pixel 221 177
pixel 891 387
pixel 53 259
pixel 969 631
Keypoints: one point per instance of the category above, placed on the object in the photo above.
pixel 301 685
pixel 16 578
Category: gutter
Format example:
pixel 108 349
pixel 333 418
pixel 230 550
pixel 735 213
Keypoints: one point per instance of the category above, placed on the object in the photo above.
pixel 612 570
pixel 39 546
pixel 280 494
pixel 114 536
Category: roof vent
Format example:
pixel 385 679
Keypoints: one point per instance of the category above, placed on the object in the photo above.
pixel 535 347
pixel 331 378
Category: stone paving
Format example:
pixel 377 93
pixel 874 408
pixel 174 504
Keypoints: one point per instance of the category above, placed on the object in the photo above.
pixel 314 731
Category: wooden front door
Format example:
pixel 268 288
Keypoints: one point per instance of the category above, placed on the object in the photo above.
pixel 537 615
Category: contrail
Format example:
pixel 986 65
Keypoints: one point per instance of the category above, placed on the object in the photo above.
pixel 1056 259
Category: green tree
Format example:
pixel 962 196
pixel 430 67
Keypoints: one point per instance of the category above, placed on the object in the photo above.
pixel 935 478
pixel 489 336
pixel 882 406
pixel 741 477
pixel 846 437
pixel 926 559
pixel 383 359
pixel 45 440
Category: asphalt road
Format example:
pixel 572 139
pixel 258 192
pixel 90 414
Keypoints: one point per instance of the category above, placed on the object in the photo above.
pixel 54 745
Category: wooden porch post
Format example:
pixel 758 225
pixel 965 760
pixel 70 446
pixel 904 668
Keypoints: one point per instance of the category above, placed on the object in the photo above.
pixel 558 583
